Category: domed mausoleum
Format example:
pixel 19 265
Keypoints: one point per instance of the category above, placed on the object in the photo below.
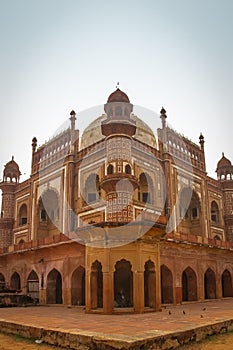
pixel 121 219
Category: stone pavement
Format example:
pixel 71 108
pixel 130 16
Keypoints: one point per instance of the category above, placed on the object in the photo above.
pixel 73 328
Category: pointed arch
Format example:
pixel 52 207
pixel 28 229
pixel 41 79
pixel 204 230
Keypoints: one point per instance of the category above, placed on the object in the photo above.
pixel 149 284
pixel 227 290
pixel 92 189
pixel 78 286
pixel 190 211
pixel 166 285
pixel 189 285
pixel 33 285
pixel 15 281
pixel 210 284
pixel 110 169
pixel 123 284
pixel 96 285
pixel 47 213
pixel 128 169
pixel 23 216
pixel 54 287
pixel 214 212
pixel 2 282
pixel 145 189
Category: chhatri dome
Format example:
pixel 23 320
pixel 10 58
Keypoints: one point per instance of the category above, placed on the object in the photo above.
pixel 93 133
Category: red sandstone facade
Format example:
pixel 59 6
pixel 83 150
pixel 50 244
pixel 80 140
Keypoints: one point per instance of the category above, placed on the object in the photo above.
pixel 119 219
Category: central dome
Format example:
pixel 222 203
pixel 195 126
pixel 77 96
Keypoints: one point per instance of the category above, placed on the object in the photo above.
pixel 93 133
pixel 118 96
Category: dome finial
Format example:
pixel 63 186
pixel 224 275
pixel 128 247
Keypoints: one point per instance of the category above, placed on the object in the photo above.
pixel 117 85
pixel 223 154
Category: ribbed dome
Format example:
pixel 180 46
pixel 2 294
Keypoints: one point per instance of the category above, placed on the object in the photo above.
pixel 12 166
pixel 118 96
pixel 93 134
pixel 223 162
pixel 11 171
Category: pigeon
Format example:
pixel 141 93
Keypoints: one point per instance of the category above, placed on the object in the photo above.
pixel 169 312
pixel 184 312
pixel 203 309
pixel 201 316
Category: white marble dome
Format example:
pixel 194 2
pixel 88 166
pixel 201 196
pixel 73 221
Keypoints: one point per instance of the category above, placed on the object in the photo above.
pixel 93 134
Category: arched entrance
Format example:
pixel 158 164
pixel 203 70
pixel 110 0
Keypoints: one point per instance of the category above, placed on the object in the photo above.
pixel 54 287
pixel 78 286
pixel 189 285
pixel 149 284
pixel 2 282
pixel 190 212
pixel 96 285
pixel 123 284
pixel 15 282
pixel 226 284
pixel 48 214
pixel 166 285
pixel 210 284
pixel 33 285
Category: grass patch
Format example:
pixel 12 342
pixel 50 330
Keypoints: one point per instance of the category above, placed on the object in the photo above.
pixel 18 338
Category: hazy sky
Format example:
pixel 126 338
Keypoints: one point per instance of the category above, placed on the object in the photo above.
pixel 62 55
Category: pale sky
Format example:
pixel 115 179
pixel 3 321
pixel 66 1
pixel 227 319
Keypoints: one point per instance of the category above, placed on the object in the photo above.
pixel 59 55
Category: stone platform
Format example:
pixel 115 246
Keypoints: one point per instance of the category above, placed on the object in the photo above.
pixel 73 328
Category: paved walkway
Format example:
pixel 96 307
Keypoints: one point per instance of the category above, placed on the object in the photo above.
pixel 126 330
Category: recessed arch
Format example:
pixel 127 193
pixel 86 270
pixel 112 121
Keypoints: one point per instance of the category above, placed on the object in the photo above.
pixel 149 284
pixel 33 285
pixel 214 212
pixel 47 213
pixel 110 169
pixel 227 290
pixel 92 189
pixel 23 216
pixel 54 287
pixel 2 281
pixel 15 281
pixel 190 212
pixel 96 285
pixel 210 284
pixel 128 169
pixel 166 285
pixel 78 286
pixel 123 284
pixel 189 285
pixel 145 189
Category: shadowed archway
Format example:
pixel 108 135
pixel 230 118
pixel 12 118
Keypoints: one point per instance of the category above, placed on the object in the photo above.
pixel 149 285
pixel 227 284
pixel 166 285
pixel 78 286
pixel 123 284
pixel 210 284
pixel 189 285
pixel 54 287
pixel 15 282
pixel 96 285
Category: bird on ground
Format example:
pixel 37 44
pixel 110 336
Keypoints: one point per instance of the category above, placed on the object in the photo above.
pixel 184 312
pixel 169 312
pixel 204 309
pixel 201 316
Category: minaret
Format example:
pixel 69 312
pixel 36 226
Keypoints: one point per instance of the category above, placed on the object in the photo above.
pixel 202 141
pixel 119 181
pixel 34 146
pixel 225 177
pixel 8 186
pixel 163 117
